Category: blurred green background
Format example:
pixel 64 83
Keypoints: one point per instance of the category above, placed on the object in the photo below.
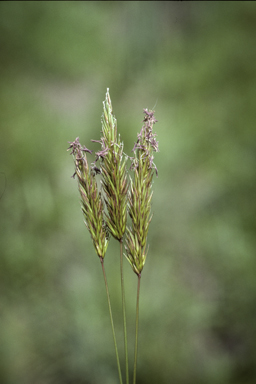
pixel 193 61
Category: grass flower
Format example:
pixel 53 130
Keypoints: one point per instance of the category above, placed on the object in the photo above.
pixel 115 185
pixel 139 208
pixel 92 204
pixel 140 194
pixel 93 210
pixel 114 173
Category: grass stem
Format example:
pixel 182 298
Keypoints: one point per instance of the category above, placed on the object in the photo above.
pixel 136 331
pixel 112 322
pixel 124 313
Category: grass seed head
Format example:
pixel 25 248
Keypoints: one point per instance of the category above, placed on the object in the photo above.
pixel 113 172
pixel 92 204
pixel 140 194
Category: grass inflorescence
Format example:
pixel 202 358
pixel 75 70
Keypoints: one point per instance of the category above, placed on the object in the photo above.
pixel 92 204
pixel 113 171
pixel 123 195
pixel 140 194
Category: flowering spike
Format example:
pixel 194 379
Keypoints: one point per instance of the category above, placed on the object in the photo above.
pixel 92 204
pixel 113 171
pixel 139 200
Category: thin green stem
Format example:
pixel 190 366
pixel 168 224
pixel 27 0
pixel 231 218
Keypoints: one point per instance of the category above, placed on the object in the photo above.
pixel 124 313
pixel 112 322
pixel 136 331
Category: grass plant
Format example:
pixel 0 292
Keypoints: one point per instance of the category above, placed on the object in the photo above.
pixel 139 208
pixel 115 186
pixel 93 210
pixel 106 216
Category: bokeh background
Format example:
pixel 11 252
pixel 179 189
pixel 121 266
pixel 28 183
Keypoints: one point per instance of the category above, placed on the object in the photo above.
pixel 194 63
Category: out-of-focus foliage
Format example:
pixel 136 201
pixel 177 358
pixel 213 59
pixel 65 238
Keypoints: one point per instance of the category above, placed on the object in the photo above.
pixel 196 62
